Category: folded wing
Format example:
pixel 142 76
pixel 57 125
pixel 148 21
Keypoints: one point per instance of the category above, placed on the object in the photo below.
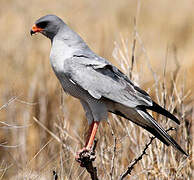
pixel 101 79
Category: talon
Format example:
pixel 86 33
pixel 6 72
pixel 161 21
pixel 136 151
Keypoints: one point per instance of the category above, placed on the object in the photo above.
pixel 84 155
pixel 79 153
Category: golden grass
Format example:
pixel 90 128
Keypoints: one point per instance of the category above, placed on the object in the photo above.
pixel 29 88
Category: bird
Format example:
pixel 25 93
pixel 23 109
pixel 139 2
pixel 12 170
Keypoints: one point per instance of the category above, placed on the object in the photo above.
pixel 100 86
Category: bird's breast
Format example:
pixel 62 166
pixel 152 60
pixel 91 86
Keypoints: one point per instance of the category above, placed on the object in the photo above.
pixel 59 53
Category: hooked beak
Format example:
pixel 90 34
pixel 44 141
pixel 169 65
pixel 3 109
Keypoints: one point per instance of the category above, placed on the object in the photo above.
pixel 35 29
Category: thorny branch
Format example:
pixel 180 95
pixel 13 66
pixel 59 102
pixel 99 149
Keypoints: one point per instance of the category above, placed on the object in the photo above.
pixel 86 159
pixel 136 160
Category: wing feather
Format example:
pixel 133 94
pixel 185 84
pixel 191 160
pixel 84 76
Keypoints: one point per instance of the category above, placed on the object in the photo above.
pixel 101 79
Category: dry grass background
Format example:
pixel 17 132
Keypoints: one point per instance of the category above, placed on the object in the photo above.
pixel 164 66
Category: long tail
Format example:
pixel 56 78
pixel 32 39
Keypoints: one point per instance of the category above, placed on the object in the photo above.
pixel 158 131
pixel 157 108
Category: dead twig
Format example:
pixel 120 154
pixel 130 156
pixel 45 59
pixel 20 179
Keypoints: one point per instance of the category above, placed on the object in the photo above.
pixel 133 50
pixel 113 153
pixel 9 101
pixel 136 160
pixel 53 135
pixel 86 159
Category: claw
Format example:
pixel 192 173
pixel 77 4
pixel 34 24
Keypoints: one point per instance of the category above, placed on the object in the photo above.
pixel 79 153
pixel 84 156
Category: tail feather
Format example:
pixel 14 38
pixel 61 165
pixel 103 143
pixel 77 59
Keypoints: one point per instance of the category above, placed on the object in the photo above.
pixel 156 134
pixel 150 129
pixel 159 132
pixel 157 108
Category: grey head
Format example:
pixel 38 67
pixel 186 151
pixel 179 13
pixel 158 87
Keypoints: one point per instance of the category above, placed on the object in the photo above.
pixel 48 25
pixel 52 26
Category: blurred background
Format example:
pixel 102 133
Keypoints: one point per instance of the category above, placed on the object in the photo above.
pixel 33 105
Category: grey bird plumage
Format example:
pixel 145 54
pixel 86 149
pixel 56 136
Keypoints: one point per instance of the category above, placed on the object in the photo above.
pixel 100 86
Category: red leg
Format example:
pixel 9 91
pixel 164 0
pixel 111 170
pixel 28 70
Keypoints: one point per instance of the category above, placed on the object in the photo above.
pixel 92 135
pixel 89 133
pixel 92 132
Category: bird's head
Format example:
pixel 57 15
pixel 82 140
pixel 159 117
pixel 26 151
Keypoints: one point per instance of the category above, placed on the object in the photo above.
pixel 48 25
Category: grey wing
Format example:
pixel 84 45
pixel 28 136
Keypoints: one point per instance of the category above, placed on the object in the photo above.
pixel 101 79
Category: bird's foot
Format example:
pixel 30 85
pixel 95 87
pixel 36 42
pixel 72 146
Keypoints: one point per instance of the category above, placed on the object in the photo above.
pixel 78 154
pixel 85 156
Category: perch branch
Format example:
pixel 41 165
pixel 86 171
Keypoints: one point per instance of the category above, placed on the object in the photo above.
pixel 86 159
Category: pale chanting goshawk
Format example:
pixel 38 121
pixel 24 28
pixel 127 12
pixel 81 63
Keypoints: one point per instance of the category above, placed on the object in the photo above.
pixel 100 86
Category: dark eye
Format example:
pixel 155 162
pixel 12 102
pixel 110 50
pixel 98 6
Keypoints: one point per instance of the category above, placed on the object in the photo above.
pixel 42 24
